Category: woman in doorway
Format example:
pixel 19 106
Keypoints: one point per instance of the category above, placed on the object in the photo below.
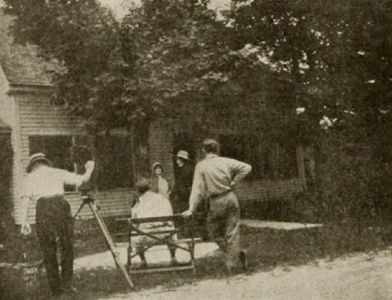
pixel 158 183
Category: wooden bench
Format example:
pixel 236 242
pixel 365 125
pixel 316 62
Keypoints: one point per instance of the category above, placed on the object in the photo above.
pixel 184 229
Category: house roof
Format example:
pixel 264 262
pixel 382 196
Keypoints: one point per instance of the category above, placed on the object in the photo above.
pixel 21 64
pixel 23 67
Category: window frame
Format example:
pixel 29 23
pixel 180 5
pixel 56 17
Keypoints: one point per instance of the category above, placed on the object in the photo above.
pixel 74 142
pixel 131 169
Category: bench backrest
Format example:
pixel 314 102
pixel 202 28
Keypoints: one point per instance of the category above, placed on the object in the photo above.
pixel 193 226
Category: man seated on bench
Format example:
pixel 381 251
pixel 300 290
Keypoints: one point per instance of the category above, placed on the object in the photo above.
pixel 151 204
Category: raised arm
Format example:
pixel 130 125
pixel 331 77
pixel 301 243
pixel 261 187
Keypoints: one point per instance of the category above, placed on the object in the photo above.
pixel 26 196
pixel 77 180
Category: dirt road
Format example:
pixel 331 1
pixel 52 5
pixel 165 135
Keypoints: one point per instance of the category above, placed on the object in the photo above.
pixel 357 277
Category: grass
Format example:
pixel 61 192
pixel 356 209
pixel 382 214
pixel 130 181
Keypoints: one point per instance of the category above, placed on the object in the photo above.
pixel 267 248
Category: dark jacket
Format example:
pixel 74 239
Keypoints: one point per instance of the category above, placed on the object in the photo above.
pixel 183 178
pixel 182 186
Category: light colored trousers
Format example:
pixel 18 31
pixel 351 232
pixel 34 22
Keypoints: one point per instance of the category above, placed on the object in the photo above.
pixel 223 223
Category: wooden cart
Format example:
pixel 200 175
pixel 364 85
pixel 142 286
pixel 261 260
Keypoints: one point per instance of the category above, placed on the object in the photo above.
pixel 185 231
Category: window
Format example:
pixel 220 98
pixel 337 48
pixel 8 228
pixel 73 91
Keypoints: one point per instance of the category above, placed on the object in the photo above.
pixel 114 162
pixel 114 167
pixel 268 160
pixel 56 148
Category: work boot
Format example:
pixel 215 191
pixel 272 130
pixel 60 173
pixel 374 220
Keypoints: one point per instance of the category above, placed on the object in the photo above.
pixel 69 290
pixel 244 260
pixel 143 264
pixel 174 261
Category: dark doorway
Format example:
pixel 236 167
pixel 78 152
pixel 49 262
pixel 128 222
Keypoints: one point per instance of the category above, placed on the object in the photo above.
pixel 183 176
pixel 184 141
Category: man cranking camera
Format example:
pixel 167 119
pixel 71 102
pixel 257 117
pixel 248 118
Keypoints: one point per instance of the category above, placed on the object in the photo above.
pixel 45 184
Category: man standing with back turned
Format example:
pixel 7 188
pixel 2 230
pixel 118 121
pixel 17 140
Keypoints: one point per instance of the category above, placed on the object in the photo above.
pixel 214 180
pixel 53 216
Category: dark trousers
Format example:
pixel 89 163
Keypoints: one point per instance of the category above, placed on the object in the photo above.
pixel 180 201
pixel 54 220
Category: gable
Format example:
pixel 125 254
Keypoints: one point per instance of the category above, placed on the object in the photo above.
pixel 21 64
pixel 23 67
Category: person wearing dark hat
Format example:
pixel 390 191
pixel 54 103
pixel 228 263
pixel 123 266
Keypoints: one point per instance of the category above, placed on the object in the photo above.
pixel 45 184
pixel 183 176
pixel 214 181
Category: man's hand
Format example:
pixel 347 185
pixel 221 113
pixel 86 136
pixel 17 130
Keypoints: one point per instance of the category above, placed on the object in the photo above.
pixel 187 214
pixel 89 165
pixel 25 229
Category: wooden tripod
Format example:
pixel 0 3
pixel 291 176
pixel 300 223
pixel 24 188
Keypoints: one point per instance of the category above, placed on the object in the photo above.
pixel 87 199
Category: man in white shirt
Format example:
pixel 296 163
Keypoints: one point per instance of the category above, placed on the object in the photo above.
pixel 45 184
pixel 214 180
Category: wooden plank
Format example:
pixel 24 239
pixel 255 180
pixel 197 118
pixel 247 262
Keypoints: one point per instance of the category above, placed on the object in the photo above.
pixel 156 232
pixel 189 266
pixel 161 218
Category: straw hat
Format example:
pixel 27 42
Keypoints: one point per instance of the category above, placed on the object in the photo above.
pixel 183 154
pixel 37 157
pixel 156 165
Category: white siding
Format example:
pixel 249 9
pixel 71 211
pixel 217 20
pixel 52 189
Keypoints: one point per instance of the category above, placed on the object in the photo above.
pixel 33 114
pixel 38 116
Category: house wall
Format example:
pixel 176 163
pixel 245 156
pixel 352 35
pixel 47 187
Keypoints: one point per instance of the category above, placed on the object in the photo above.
pixel 33 114
pixel 38 116
pixel 263 190
pixel 227 121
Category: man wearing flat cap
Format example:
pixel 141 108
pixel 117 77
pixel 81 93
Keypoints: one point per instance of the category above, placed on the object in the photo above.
pixel 45 184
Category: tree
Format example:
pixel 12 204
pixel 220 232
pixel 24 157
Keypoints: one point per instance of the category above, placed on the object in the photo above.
pixel 122 74
pixel 338 54
pixel 82 38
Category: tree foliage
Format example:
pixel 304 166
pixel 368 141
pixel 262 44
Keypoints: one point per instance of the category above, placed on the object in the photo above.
pixel 82 37
pixel 121 73
pixel 333 56
pixel 338 54
pixel 338 48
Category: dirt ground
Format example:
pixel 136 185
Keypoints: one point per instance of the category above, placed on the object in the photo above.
pixel 356 276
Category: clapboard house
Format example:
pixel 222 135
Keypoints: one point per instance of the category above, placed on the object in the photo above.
pixel 34 124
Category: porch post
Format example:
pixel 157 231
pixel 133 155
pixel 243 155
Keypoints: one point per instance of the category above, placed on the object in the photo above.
pixel 301 166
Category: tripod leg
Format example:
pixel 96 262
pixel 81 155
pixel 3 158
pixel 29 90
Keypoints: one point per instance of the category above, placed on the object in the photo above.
pixel 109 242
pixel 78 211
